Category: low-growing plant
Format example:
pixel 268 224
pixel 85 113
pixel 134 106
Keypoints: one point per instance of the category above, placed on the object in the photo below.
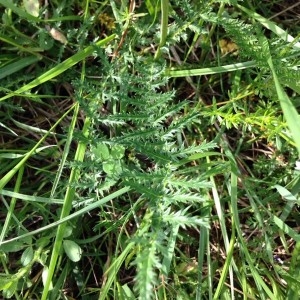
pixel 148 151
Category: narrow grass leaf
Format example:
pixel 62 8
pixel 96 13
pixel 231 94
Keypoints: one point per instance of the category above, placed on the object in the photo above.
pixel 166 264
pixel 7 128
pixel 208 71
pixel 113 270
pixel 261 285
pixel 66 150
pixel 29 198
pixel 203 242
pixel 271 26
pixel 12 205
pixel 60 68
pixel 10 41
pixel 6 178
pixel 285 228
pixel 287 195
pixel 27 256
pixel 66 208
pixel 226 266
pixel 17 65
pixel 71 216
pixel 290 113
pixel 29 128
pixel 163 26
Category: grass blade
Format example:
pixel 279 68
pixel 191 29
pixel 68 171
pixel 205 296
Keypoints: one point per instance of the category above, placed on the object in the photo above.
pixel 212 70
pixel 290 113
pixel 60 68
pixel 6 178
pixel 17 66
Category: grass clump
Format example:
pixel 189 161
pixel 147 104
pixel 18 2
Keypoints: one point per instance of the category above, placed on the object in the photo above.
pixel 148 151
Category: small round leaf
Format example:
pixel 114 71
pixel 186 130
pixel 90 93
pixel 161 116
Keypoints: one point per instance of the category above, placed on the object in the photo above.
pixel 117 151
pixel 101 152
pixel 27 256
pixel 72 250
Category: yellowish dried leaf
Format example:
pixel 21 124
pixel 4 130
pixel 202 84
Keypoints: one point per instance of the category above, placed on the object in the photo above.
pixel 58 36
pixel 32 7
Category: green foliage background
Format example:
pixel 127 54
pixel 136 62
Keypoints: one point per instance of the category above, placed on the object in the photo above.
pixel 140 158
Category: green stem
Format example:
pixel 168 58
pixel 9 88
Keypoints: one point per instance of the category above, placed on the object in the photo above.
pixel 163 27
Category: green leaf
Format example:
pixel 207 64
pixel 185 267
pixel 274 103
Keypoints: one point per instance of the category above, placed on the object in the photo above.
pixel 13 247
pixel 285 228
pixel 271 26
pixel 27 256
pixel 112 167
pixel 45 41
pixel 101 152
pixel 68 231
pixel 60 68
pixel 8 293
pixel 287 195
pixel 211 70
pixel 43 241
pixel 17 66
pixel 20 47
pixel 293 291
pixel 117 151
pixel 152 6
pixel 125 292
pixel 72 250
pixel 289 111
pixel 6 281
